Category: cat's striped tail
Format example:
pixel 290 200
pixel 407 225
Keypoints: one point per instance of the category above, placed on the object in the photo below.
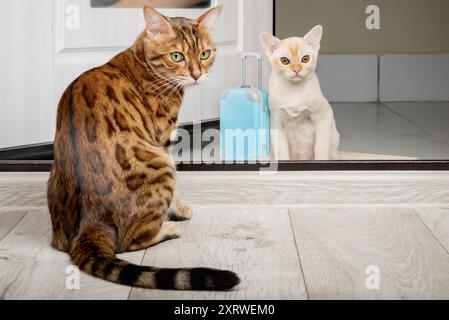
pixel 91 258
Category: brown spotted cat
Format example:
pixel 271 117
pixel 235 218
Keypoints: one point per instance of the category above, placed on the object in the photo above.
pixel 113 179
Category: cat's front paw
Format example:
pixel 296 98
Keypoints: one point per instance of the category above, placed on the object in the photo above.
pixel 180 213
pixel 169 231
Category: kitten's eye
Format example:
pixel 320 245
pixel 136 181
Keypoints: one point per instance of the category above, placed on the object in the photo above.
pixel 177 57
pixel 285 61
pixel 305 59
pixel 205 54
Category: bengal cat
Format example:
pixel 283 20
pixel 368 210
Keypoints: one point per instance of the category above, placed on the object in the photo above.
pixel 112 184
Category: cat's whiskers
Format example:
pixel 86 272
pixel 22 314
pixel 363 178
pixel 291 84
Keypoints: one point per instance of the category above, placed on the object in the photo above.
pixel 165 89
pixel 161 89
pixel 168 87
pixel 159 84
pixel 159 81
pixel 165 85
pixel 155 88
pixel 178 86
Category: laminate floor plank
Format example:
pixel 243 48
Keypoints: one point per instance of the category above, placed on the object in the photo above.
pixel 8 220
pixel 437 220
pixel 341 251
pixel 257 244
pixel 32 269
pixel 27 191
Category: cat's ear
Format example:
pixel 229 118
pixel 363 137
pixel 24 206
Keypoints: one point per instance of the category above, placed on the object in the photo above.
pixel 314 37
pixel 270 43
pixel 157 24
pixel 208 20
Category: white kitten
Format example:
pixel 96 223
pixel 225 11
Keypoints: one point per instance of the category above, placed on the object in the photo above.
pixel 300 114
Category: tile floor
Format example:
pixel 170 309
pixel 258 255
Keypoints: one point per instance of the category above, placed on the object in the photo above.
pixel 405 129
pixel 416 130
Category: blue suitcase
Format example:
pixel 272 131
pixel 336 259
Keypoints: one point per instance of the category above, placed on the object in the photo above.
pixel 245 120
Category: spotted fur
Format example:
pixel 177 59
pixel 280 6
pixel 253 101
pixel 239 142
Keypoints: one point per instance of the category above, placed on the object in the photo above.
pixel 113 180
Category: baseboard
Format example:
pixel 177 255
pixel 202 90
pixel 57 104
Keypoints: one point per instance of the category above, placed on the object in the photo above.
pixel 388 78
pixel 349 78
pixel 414 77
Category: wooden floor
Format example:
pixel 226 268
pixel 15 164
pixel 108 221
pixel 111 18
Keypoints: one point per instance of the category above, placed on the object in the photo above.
pixel 283 246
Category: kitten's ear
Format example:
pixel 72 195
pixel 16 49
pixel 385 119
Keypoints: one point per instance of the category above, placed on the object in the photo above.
pixel 270 43
pixel 157 24
pixel 208 20
pixel 314 37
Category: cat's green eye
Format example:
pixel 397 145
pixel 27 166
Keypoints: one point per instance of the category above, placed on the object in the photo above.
pixel 206 54
pixel 305 59
pixel 285 61
pixel 177 57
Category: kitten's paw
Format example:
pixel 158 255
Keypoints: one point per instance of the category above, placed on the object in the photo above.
pixel 180 213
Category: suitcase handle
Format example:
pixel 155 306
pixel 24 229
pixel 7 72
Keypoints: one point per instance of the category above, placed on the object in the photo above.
pixel 244 58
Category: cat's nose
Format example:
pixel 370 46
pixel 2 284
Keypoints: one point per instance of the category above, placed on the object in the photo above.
pixel 196 76
pixel 296 68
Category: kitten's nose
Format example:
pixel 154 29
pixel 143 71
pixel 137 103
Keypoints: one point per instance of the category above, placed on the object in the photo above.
pixel 296 67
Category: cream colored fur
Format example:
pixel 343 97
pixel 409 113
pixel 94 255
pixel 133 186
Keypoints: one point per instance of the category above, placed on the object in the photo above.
pixel 302 120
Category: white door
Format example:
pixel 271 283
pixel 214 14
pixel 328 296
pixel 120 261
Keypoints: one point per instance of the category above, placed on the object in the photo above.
pixel 48 43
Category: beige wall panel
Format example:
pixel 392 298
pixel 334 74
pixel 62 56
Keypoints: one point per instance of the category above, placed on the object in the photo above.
pixel 407 26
